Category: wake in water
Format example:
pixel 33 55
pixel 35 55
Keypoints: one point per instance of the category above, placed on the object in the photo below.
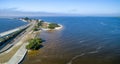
pixel 70 62
pixel 81 41
pixel 91 52
pixel 102 23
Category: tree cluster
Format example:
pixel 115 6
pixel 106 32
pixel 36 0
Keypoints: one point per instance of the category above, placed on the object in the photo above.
pixel 53 25
pixel 34 44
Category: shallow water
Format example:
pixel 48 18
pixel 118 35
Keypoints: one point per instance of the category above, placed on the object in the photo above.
pixel 83 40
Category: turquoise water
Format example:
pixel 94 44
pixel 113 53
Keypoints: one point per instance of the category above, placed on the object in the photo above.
pixel 83 40
pixel 8 24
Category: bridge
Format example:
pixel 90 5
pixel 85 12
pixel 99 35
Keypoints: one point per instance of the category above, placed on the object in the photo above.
pixel 13 30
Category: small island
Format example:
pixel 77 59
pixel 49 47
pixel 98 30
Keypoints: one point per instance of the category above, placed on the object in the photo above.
pixel 49 26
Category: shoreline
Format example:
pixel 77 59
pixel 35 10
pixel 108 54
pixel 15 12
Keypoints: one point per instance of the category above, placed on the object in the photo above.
pixel 58 28
pixel 22 47
pixel 23 20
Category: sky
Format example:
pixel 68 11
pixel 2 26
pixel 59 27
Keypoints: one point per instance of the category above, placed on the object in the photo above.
pixel 79 7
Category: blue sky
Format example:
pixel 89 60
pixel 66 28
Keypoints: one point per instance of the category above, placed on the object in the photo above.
pixel 83 7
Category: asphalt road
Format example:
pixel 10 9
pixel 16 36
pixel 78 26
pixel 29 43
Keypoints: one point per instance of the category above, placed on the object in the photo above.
pixel 17 39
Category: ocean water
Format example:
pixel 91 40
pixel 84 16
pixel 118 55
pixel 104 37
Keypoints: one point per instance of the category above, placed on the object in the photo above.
pixel 8 24
pixel 83 40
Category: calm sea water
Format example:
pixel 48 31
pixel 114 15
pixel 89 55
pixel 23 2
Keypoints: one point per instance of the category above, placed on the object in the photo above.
pixel 83 40
pixel 8 24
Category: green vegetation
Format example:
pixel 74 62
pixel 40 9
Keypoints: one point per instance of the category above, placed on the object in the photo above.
pixel 34 44
pixel 53 25
pixel 35 28
pixel 10 36
pixel 1 39
pixel 40 23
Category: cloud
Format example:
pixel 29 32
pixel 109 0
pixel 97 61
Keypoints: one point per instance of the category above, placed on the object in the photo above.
pixel 16 12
